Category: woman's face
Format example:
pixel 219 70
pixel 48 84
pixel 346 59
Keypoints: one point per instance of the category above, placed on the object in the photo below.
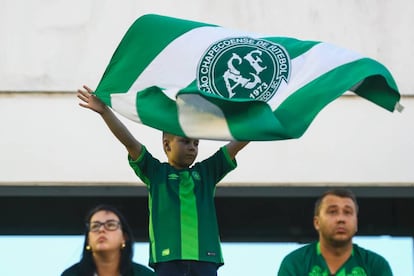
pixel 105 233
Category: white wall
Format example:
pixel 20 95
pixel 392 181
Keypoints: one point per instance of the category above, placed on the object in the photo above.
pixel 48 137
pixel 60 45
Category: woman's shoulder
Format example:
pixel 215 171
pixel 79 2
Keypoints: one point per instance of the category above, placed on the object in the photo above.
pixel 71 271
pixel 141 270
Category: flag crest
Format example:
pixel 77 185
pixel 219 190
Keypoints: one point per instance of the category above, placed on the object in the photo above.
pixel 204 81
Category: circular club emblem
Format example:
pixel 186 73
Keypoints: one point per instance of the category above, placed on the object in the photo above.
pixel 243 67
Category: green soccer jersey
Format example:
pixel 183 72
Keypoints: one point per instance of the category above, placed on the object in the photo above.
pixel 183 223
pixel 308 261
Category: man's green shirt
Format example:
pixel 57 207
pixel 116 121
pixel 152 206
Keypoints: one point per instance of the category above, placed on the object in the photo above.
pixel 308 261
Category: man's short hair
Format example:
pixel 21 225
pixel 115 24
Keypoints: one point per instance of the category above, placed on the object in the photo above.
pixel 345 193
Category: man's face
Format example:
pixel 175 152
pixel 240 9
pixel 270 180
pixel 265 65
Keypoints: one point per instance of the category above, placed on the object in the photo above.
pixel 182 151
pixel 337 220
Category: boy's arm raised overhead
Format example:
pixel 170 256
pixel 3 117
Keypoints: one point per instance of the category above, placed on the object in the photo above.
pixel 88 100
pixel 234 147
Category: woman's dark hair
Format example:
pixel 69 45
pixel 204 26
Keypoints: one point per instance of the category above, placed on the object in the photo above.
pixel 87 264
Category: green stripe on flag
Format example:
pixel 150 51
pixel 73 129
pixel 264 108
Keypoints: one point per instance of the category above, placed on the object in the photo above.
pixel 140 45
pixel 380 88
pixel 156 109
pixel 303 106
pixel 294 46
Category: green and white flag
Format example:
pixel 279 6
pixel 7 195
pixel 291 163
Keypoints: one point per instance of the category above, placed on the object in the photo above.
pixel 204 81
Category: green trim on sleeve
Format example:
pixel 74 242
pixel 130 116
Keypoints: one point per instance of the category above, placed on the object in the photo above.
pixel 136 167
pixel 232 162
pixel 141 155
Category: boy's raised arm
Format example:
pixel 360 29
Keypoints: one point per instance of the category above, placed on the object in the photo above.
pixel 90 101
pixel 234 147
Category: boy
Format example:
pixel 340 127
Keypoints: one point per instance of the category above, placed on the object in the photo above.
pixel 183 230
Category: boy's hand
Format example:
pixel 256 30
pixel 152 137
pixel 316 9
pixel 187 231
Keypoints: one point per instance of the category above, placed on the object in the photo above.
pixel 90 101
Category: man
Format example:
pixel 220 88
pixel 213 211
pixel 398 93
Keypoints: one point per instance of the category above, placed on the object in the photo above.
pixel 335 219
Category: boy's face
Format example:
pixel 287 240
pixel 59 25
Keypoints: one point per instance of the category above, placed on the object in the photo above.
pixel 181 151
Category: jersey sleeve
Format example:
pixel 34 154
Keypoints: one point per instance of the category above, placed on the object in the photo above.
pixel 288 266
pixel 300 262
pixel 217 166
pixel 145 166
pixel 380 266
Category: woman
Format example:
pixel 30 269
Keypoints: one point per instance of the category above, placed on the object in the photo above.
pixel 108 245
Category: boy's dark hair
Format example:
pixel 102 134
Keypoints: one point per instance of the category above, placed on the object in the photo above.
pixel 87 265
pixel 166 135
pixel 336 192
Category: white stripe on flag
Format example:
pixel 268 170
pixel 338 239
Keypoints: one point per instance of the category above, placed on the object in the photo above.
pixel 206 112
pixel 124 104
pixel 183 55
pixel 316 62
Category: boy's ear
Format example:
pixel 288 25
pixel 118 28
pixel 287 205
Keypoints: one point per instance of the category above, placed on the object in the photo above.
pixel 166 145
